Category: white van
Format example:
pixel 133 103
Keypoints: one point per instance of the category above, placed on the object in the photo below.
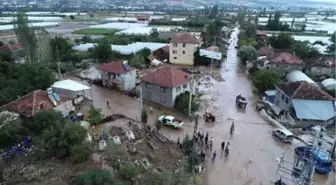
pixel 284 135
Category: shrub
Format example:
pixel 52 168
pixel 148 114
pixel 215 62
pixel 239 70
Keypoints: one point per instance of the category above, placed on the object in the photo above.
pixel 182 103
pixel 95 177
pixel 128 171
pixel 81 152
pixel 144 116
pixel 95 116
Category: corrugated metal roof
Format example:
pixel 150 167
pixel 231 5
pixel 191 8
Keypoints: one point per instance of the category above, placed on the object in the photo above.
pixel 270 92
pixel 329 83
pixel 314 109
pixel 211 54
pixel 295 76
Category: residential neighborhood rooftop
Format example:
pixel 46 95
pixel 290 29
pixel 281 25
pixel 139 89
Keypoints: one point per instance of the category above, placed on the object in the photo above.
pixel 32 103
pixel 325 62
pixel 185 38
pixel 286 58
pixel 304 90
pixel 115 67
pixel 261 33
pixel 167 77
pixel 266 51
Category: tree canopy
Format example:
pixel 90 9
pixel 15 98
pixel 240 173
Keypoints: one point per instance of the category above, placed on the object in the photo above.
pixel 275 24
pixel 247 53
pixel 182 103
pixel 102 52
pixel 265 79
pixel 95 177
pixel 305 51
pixel 282 41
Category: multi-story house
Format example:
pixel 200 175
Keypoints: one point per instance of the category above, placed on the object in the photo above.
pixel 118 75
pixel 323 67
pixel 306 103
pixel 164 85
pixel 283 63
pixel 182 49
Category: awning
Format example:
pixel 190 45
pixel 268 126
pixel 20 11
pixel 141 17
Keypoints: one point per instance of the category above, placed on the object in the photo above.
pixel 314 109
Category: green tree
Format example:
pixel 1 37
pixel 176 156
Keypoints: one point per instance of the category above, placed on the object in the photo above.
pixel 95 116
pixel 57 140
pixel 43 120
pixel 144 116
pixel 256 20
pixel 247 53
pixel 265 79
pixel 81 152
pixel 77 41
pixel 214 12
pixel 293 22
pixel 282 41
pixel 63 46
pixel 182 103
pixel 86 39
pixel 11 131
pixel 128 171
pixel 303 28
pixel 154 33
pixel 304 50
pixel 72 17
pixel 246 42
pixel 331 47
pixel 26 36
pixel 250 30
pixel 95 177
pixel 102 51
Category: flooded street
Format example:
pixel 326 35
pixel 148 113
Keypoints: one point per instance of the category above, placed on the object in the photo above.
pixel 252 139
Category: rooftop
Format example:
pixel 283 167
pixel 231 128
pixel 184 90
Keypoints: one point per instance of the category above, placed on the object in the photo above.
pixel 304 90
pixel 325 62
pixel 167 77
pixel 265 51
pixel 32 103
pixel 115 67
pixel 286 58
pixel 260 33
pixel 185 38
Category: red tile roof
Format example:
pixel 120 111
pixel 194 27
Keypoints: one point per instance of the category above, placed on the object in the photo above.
pixel 325 62
pixel 286 58
pixel 165 48
pixel 261 33
pixel 304 90
pixel 9 49
pixel 115 67
pixel 167 77
pixel 265 51
pixel 185 38
pixel 32 103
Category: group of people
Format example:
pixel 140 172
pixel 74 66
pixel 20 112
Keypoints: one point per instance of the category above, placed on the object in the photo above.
pixel 208 143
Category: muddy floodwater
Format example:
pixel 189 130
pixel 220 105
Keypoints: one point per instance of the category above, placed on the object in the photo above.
pixel 253 152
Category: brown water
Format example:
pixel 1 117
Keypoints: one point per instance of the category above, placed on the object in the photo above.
pixel 252 138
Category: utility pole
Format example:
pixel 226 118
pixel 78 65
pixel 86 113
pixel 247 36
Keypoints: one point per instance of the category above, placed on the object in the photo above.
pixel 194 147
pixel 59 70
pixel 191 93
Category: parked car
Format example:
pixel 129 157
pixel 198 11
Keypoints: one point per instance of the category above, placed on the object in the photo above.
pixel 284 135
pixel 170 121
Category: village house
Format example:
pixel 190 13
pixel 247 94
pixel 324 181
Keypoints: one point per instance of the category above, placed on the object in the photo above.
pixel 164 85
pixel 323 66
pixel 38 101
pixel 306 103
pixel 283 63
pixel 182 49
pixel 118 75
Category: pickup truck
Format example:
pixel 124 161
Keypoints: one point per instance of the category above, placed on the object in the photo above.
pixel 170 121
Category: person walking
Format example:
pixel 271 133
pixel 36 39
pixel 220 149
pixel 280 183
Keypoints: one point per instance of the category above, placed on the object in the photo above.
pixel 211 141
pixel 202 137
pixel 206 139
pixel 214 156
pixel 223 145
pixel 107 104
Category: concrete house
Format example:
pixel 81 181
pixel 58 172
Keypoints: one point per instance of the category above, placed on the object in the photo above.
pixel 324 67
pixel 283 63
pixel 37 101
pixel 306 103
pixel 182 49
pixel 163 85
pixel 118 75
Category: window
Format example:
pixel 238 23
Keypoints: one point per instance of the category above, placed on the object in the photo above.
pixel 283 97
pixel 163 89
pixel 175 58
pixel 178 89
pixel 277 66
pixel 287 100
pixel 185 86
pixel 174 51
pixel 175 45
pixel 287 66
pixel 183 52
pixel 184 45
